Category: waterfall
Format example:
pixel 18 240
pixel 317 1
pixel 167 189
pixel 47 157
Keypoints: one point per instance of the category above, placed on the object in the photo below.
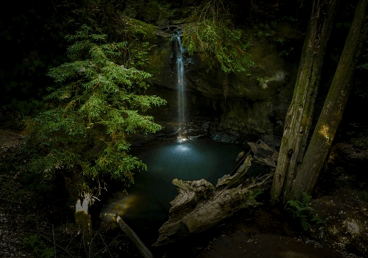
pixel 180 86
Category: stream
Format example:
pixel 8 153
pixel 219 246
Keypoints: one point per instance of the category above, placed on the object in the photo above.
pixel 146 206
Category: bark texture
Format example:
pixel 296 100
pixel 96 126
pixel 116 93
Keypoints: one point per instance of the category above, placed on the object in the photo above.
pixel 299 116
pixel 82 216
pixel 333 108
pixel 199 206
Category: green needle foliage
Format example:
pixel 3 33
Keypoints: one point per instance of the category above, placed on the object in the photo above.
pixel 212 34
pixel 97 104
pixel 219 44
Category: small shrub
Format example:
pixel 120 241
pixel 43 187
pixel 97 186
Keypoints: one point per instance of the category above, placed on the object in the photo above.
pixel 38 247
pixel 303 212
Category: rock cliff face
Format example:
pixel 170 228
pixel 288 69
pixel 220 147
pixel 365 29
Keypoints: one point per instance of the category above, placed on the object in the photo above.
pixel 256 100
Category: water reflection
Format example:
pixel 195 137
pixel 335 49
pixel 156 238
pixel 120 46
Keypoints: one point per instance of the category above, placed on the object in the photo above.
pixel 181 148
pixel 182 139
pixel 122 204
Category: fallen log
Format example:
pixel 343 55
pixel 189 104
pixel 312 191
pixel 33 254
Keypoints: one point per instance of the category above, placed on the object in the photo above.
pixel 200 206
pixel 143 250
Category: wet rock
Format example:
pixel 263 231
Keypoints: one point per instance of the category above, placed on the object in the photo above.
pixel 352 227
pixel 224 137
pixel 194 132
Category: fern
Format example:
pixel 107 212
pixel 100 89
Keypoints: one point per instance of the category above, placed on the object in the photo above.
pixel 306 199
pixel 302 211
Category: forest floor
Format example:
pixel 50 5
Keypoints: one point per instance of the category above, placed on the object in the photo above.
pixel 12 228
pixel 267 233
pixel 253 237
pixel 260 232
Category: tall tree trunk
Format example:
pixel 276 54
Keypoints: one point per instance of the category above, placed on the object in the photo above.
pixel 333 108
pixel 299 116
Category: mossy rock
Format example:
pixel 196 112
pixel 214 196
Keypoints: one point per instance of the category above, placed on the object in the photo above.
pixel 158 65
pixel 83 220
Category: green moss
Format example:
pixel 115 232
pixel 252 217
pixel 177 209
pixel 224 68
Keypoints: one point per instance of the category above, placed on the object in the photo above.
pixel 148 31
pixel 253 195
pixel 157 59
pixel 83 220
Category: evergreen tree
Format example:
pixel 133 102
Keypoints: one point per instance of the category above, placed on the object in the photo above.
pixel 97 103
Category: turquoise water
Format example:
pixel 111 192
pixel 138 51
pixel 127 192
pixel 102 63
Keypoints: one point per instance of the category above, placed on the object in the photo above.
pixel 146 206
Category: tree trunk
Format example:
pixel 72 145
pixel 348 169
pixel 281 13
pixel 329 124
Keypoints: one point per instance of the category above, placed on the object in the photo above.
pixel 143 250
pixel 333 108
pixel 299 116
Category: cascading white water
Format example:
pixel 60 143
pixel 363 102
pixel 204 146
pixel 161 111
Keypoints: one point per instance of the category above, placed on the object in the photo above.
pixel 180 85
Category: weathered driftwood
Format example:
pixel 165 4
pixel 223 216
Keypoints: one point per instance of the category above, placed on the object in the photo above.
pixel 200 206
pixel 143 250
